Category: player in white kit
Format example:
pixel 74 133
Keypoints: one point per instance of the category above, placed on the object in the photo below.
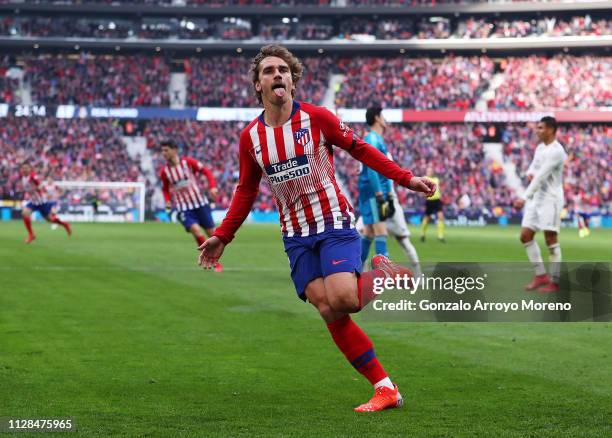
pixel 543 201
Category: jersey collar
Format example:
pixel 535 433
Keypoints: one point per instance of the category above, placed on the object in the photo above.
pixel 296 107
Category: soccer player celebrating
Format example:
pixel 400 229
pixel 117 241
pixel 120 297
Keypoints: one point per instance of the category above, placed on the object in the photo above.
pixel 433 206
pixel 179 181
pixel 374 203
pixel 290 144
pixel 37 201
pixel 543 200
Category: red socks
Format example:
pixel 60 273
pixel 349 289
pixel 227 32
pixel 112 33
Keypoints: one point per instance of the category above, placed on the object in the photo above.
pixel 200 239
pixel 58 221
pixel 27 220
pixel 365 286
pixel 357 348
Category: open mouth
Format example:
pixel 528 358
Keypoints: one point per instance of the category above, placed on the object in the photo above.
pixel 279 89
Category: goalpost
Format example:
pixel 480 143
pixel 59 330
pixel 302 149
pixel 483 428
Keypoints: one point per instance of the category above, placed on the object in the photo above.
pixel 93 201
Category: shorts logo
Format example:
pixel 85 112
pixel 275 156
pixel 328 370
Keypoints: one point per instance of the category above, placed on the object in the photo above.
pixel 302 136
pixel 337 262
pixel 289 169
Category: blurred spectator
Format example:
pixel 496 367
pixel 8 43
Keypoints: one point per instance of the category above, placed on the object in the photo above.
pixel 8 84
pixel 62 149
pixel 551 26
pixel 564 82
pixel 382 28
pixel 308 28
pixel 474 28
pixel 224 81
pixel 451 82
pixel 433 28
pixel 91 27
pixel 101 80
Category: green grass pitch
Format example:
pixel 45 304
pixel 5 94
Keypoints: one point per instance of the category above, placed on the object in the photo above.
pixel 118 329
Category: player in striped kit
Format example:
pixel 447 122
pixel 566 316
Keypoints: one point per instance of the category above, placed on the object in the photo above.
pixel 290 144
pixel 37 201
pixel 179 183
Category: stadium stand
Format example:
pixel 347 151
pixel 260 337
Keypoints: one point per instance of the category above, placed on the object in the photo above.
pixel 568 82
pixel 424 83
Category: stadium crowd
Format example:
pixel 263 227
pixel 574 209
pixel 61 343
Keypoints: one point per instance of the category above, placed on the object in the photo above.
pixel 217 3
pixel 119 81
pixel 551 26
pixel 308 28
pixel 451 82
pixel 63 149
pixel 223 80
pixel 567 82
pixel 8 84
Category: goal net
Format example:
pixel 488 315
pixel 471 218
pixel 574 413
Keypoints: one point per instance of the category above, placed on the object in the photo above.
pixel 80 201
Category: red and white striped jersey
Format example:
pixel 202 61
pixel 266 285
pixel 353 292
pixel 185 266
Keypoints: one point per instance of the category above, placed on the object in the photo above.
pixel 32 186
pixel 180 184
pixel 297 161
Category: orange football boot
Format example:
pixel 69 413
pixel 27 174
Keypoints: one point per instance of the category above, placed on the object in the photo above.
pixel 549 288
pixel 384 398
pixel 391 269
pixel 538 281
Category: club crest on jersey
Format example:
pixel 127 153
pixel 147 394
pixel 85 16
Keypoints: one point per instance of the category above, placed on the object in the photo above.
pixel 302 136
pixel 288 169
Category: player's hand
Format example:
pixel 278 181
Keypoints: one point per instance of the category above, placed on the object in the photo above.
pixel 212 250
pixel 519 203
pixel 168 207
pixel 423 185
pixel 214 192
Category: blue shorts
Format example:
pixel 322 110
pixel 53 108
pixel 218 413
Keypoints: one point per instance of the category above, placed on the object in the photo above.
pixel 321 255
pixel 45 209
pixel 369 210
pixel 201 216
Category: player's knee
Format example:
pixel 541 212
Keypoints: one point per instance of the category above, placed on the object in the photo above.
pixel 319 301
pixel 325 310
pixel 550 238
pixel 526 236
pixel 343 300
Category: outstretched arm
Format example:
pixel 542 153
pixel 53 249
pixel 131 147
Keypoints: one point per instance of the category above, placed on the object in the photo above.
pixel 337 133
